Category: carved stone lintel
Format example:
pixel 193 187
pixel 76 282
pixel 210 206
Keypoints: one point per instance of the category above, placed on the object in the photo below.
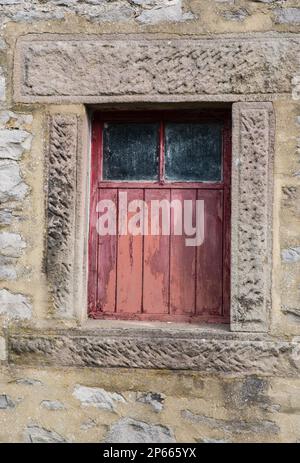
pixel 62 151
pixel 108 69
pixel 252 179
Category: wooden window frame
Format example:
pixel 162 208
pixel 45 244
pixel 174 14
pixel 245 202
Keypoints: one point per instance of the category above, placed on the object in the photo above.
pixel 98 120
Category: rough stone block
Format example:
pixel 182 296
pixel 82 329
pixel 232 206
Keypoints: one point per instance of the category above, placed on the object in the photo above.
pixel 2 86
pixel 52 405
pixel 154 399
pixel 13 143
pixel 97 397
pixel 8 270
pixel 11 244
pixel 12 186
pixel 287 16
pixel 233 427
pixel 291 254
pixel 11 2
pixel 236 15
pixel 6 216
pixel 28 382
pixel 128 430
pixel 12 120
pixel 3 350
pixel 14 305
pixel 39 435
pixel 163 11
pixel 251 391
pixel 6 402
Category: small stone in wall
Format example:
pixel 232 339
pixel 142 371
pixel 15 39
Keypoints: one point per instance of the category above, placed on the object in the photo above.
pixel 128 430
pixel 11 247
pixel 6 402
pixel 2 44
pixel 106 12
pixel 287 16
pixel 97 397
pixel 6 216
pixel 291 255
pixel 251 391
pixel 12 120
pixel 39 435
pixel 10 2
pixel 12 187
pixel 89 424
pixel 13 143
pixel 295 355
pixel 293 311
pixel 8 270
pixel 11 244
pixel 163 11
pixel 14 305
pixel 232 426
pixel 2 86
pixel 268 1
pixel 289 193
pixel 236 15
pixel 35 15
pixel 154 399
pixel 210 440
pixel 3 351
pixel 145 2
pixel 28 382
pixel 52 405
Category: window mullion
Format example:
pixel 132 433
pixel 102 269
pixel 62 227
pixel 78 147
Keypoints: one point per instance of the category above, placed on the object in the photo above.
pixel 161 153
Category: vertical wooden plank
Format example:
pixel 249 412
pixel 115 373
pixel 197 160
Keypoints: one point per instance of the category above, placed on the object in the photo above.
pixel 226 252
pixel 227 217
pixel 210 256
pixel 182 261
pixel 93 256
pixel 107 261
pixel 129 271
pixel 156 263
pixel 93 236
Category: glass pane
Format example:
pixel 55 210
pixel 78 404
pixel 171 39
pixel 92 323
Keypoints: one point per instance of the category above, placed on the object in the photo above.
pixel 130 151
pixel 193 152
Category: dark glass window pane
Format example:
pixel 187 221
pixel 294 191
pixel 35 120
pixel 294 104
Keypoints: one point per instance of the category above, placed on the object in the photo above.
pixel 130 151
pixel 193 152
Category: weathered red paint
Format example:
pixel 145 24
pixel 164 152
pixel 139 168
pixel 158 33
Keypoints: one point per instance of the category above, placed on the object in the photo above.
pixel 106 263
pixel 156 265
pixel 182 264
pixel 129 267
pixel 158 277
pixel 209 256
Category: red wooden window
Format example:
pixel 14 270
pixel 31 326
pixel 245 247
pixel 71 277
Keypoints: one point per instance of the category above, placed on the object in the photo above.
pixel 155 156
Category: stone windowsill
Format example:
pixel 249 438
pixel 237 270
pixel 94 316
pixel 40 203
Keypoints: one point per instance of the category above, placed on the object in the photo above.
pixel 109 344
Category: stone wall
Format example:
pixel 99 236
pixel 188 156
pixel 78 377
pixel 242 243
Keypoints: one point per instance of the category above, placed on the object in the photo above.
pixel 42 405
pixel 62 379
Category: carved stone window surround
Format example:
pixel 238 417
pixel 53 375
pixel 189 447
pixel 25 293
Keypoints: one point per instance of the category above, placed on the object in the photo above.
pixel 252 178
